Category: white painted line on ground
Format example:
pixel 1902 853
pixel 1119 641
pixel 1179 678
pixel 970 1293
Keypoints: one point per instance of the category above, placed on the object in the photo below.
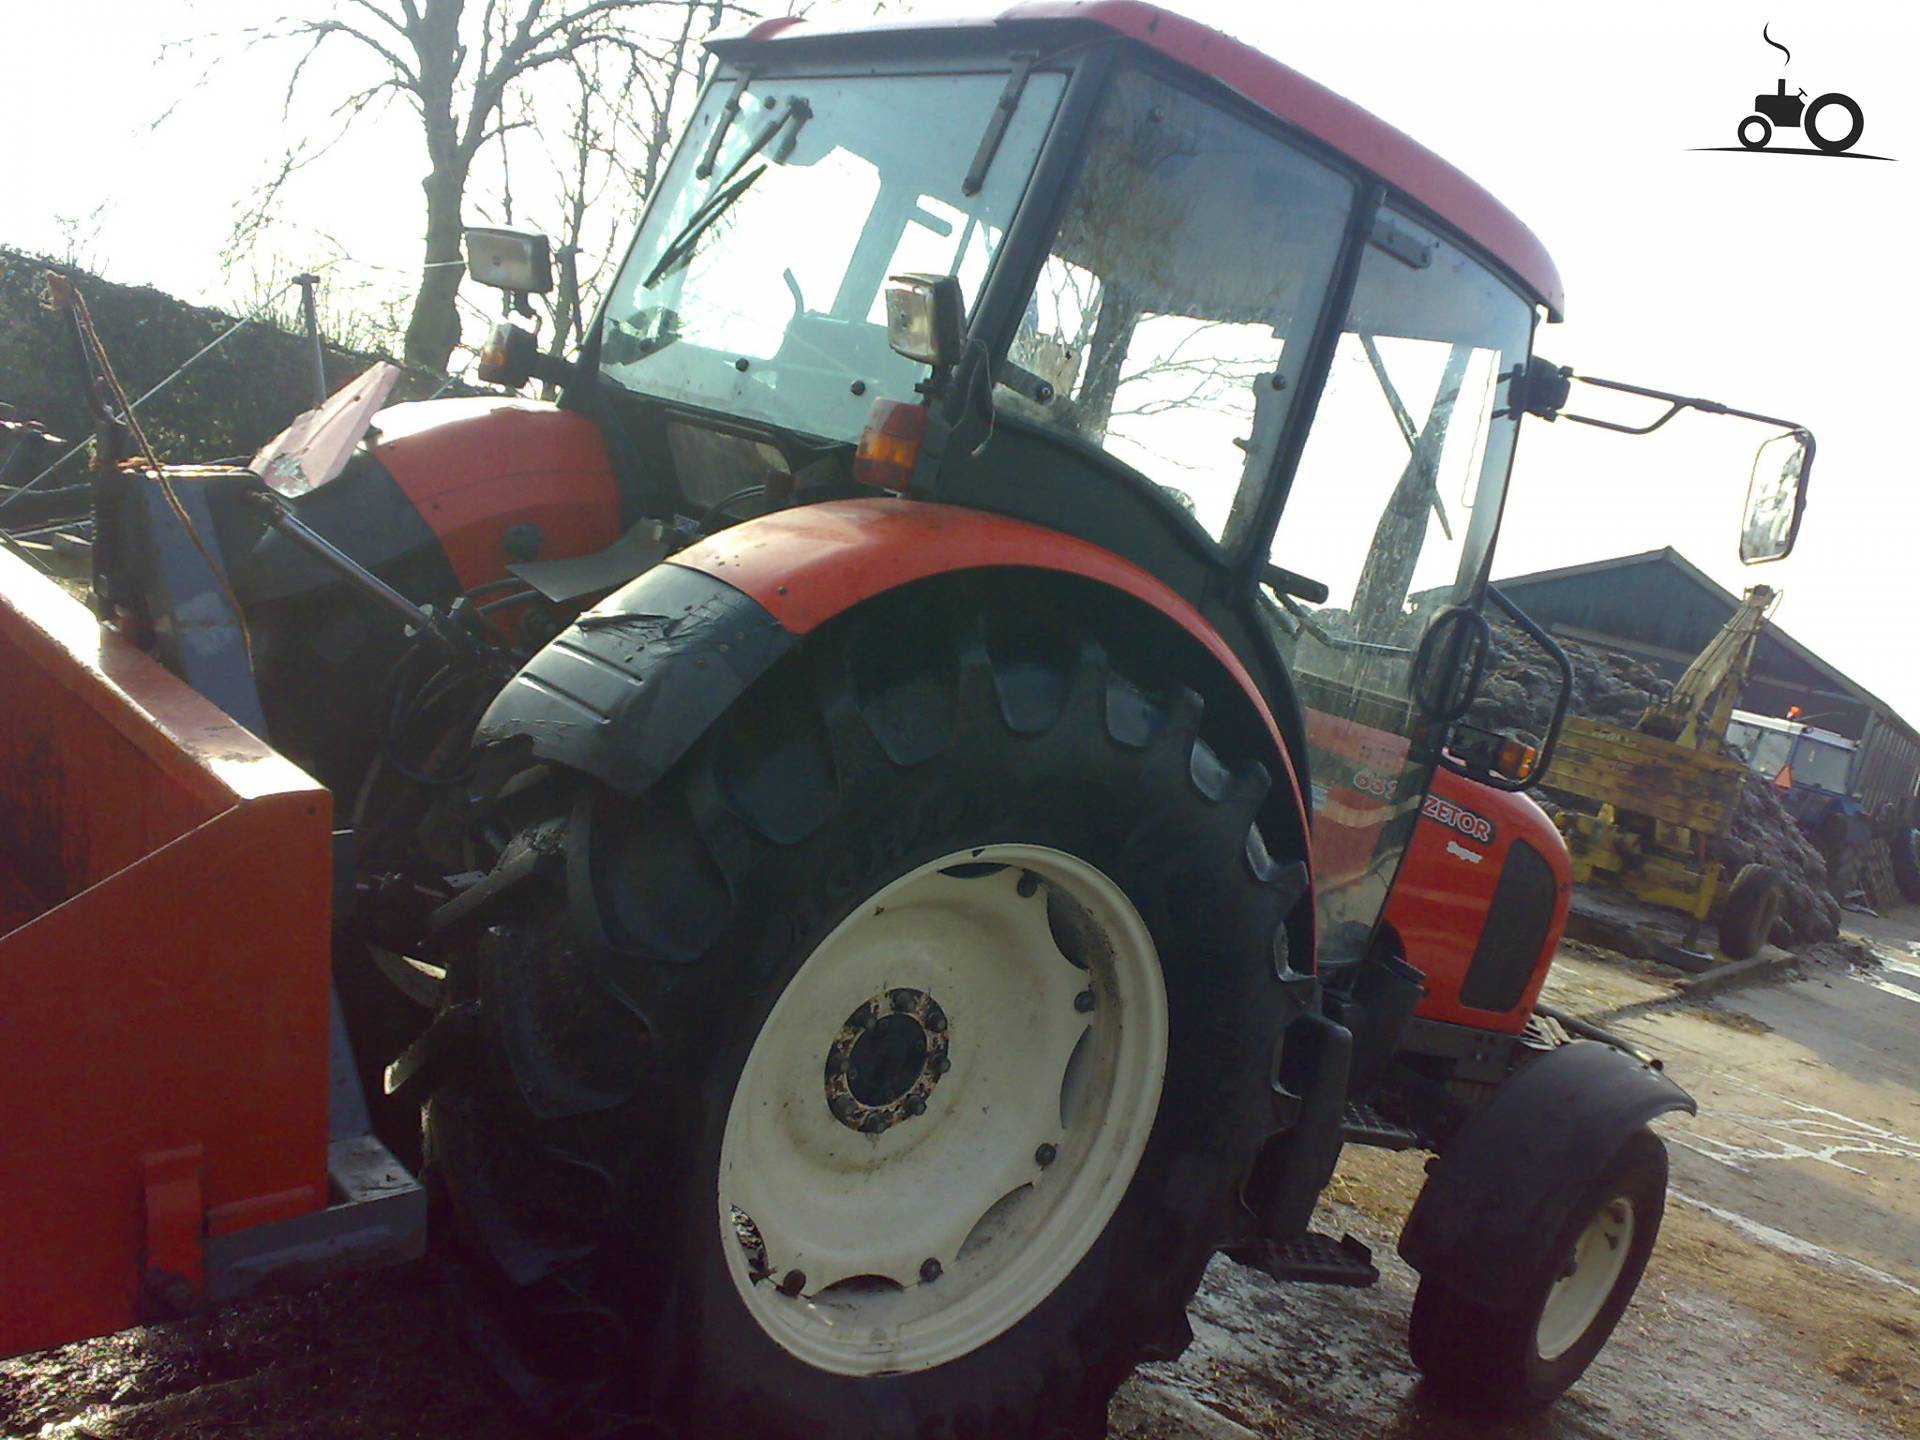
pixel 1902 977
pixel 1793 1245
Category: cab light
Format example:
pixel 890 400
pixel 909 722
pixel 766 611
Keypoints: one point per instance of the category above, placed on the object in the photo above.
pixel 890 444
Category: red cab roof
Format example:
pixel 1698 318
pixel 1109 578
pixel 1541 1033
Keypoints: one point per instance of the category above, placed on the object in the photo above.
pixel 1404 164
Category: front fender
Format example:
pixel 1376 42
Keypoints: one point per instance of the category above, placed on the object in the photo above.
pixel 1499 1195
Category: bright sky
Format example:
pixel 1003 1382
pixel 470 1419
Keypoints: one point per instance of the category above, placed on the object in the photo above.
pixel 1781 284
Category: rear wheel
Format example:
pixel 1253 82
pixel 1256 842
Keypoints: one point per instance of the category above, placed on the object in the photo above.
pixel 1753 904
pixel 1905 848
pixel 1835 144
pixel 1488 1359
pixel 921 1055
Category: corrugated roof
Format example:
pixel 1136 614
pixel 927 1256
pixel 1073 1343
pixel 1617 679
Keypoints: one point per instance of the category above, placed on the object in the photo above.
pixel 1671 558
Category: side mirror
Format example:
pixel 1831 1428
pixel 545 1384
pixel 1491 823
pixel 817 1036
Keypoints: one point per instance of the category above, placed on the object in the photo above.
pixel 926 319
pixel 517 261
pixel 1776 497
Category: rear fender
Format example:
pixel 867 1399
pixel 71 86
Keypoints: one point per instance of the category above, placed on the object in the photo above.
pixel 626 691
pixel 1499 1195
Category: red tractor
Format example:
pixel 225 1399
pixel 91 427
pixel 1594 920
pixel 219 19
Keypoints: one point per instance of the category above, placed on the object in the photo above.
pixel 869 829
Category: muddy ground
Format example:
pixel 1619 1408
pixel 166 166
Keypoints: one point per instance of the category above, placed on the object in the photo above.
pixel 1783 1300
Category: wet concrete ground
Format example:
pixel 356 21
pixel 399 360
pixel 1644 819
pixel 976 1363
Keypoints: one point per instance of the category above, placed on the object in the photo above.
pixel 1784 1297
pixel 1783 1300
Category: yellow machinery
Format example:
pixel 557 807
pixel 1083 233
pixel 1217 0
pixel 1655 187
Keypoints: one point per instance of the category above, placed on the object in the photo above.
pixel 1667 787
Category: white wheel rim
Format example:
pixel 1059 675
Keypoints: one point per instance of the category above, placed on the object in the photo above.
pixel 1018 1090
pixel 1581 1292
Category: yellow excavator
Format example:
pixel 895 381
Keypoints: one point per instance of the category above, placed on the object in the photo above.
pixel 1665 788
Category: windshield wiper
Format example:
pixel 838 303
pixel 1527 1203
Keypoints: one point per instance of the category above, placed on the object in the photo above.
pixel 680 249
pixel 997 124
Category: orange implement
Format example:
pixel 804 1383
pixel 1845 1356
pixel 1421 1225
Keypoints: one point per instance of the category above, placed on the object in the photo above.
pixel 165 900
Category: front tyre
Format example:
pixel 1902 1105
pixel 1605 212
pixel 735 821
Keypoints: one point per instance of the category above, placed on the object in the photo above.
pixel 956 948
pixel 1483 1359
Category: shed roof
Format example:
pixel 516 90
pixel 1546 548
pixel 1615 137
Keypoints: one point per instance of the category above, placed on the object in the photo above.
pixel 1660 605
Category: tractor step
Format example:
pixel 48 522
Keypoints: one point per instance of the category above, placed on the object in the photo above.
pixel 1311 1259
pixel 1365 1125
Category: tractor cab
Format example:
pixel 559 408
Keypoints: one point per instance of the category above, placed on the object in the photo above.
pixel 1067 267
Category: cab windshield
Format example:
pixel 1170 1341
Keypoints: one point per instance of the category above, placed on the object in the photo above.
pixel 754 287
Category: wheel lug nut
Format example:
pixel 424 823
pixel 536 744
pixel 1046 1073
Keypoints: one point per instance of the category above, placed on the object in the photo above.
pixel 936 1019
pixel 940 1064
pixel 844 1107
pixel 1045 1155
pixel 1083 1002
pixel 903 999
pixel 875 1123
pixel 915 1105
pixel 929 1270
pixel 836 1064
pixel 792 1283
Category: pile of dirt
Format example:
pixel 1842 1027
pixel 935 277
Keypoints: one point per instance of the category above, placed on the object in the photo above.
pixel 1517 697
pixel 1521 685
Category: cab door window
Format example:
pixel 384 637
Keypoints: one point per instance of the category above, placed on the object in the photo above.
pixel 1393 507
pixel 1172 315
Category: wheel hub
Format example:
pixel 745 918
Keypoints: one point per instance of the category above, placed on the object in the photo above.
pixel 885 1061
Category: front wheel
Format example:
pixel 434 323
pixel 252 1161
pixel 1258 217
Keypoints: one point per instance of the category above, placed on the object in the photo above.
pixel 1486 1359
pixel 1755 132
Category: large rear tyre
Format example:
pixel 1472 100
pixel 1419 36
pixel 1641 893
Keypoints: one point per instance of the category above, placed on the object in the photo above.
pixel 1834 144
pixel 915 1073
pixel 1486 1360
pixel 1905 855
pixel 1753 904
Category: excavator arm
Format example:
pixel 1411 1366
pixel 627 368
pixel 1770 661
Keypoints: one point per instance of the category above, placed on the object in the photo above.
pixel 1702 703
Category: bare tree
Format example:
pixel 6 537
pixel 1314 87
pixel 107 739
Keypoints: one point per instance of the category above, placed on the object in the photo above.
pixel 465 70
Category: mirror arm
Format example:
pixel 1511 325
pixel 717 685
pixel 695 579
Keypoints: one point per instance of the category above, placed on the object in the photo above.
pixel 1618 428
pixel 1675 404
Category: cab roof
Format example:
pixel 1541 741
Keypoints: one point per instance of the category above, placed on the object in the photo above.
pixel 1404 164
